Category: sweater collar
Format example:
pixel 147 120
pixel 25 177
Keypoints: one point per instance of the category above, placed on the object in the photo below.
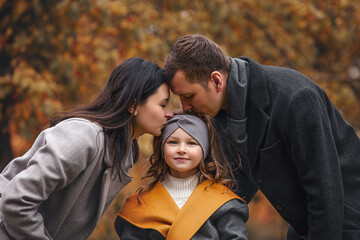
pixel 180 187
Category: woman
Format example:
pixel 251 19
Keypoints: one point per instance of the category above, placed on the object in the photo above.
pixel 62 186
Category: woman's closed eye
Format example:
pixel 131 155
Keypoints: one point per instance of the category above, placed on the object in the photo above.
pixel 164 105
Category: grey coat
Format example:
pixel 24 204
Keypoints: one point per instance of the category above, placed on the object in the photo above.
pixel 62 186
pixel 211 213
pixel 227 222
pixel 295 147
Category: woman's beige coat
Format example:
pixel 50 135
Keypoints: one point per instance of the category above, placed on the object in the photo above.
pixel 62 186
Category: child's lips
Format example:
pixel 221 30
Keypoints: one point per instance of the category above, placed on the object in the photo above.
pixel 181 159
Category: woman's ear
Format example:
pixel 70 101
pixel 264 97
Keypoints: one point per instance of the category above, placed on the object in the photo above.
pixel 132 109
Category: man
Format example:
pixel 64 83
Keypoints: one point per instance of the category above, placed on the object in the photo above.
pixel 294 145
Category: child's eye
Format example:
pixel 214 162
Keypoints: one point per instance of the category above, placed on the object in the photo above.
pixel 192 143
pixel 172 142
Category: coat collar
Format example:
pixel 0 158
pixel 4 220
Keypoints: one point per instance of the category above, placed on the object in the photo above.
pixel 159 211
pixel 258 91
pixel 257 107
pixel 249 96
pixel 236 113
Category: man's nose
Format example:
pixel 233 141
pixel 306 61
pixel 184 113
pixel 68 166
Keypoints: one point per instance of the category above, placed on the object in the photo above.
pixel 185 105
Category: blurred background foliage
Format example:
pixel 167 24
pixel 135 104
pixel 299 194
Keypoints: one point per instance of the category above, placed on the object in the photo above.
pixel 57 53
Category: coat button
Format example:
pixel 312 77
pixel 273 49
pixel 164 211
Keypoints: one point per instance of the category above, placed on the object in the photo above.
pixel 258 180
pixel 278 207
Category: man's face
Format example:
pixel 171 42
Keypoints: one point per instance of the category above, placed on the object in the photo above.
pixel 195 97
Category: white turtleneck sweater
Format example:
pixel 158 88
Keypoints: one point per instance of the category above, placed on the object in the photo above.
pixel 180 189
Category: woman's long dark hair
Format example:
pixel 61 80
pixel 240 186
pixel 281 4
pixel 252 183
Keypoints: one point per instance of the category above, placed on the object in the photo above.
pixel 129 84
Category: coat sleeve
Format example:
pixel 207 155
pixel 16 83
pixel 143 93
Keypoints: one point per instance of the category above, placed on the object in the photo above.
pixel 230 220
pixel 315 155
pixel 66 150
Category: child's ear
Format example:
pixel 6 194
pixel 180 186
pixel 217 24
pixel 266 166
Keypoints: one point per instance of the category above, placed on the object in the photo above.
pixel 132 109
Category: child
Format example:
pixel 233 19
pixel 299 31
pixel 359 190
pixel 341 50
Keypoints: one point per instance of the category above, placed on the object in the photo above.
pixel 187 198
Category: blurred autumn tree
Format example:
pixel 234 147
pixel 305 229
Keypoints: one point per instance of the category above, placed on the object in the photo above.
pixel 57 53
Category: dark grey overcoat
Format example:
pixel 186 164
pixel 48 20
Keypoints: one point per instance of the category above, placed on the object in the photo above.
pixel 211 213
pixel 295 147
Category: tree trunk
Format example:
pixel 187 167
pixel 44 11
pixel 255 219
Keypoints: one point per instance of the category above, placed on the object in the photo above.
pixel 6 154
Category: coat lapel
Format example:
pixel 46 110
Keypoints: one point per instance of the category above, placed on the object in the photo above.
pixel 236 113
pixel 203 202
pixel 3 182
pixel 257 128
pixel 257 107
pixel 111 183
pixel 156 211
pixel 248 100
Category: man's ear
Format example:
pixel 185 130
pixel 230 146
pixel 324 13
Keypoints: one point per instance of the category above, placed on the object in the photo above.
pixel 132 109
pixel 216 78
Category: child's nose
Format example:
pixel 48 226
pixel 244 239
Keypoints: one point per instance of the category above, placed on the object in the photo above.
pixel 182 148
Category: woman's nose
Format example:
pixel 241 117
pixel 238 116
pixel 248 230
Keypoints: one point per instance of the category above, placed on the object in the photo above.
pixel 169 113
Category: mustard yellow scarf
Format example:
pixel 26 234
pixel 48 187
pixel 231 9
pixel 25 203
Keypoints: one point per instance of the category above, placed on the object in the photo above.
pixel 159 211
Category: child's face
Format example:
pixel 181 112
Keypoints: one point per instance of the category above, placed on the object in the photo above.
pixel 182 154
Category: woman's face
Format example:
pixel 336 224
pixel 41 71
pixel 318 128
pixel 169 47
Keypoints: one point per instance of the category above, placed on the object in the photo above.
pixel 151 116
pixel 182 153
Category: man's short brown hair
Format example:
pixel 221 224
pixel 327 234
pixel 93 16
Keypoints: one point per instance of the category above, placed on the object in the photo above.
pixel 198 57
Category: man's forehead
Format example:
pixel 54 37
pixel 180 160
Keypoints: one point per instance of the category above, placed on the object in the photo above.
pixel 179 76
pixel 179 84
pixel 179 90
